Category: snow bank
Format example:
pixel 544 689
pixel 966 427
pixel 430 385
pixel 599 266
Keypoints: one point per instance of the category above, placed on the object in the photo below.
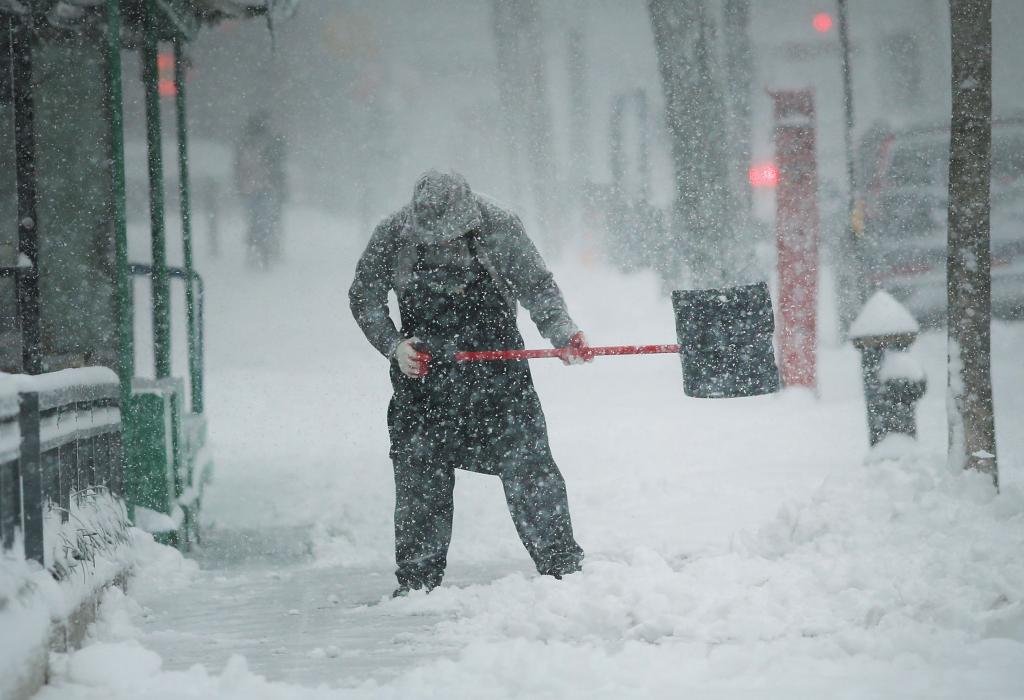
pixel 86 547
pixel 154 521
pixel 901 565
pixel 891 579
pixel 85 551
pixel 24 618
pixel 897 568
pixel 157 569
pixel 31 600
pixel 96 666
pixel 902 560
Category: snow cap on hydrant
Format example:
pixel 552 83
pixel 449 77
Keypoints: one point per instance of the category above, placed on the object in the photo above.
pixel 893 379
pixel 443 207
pixel 882 315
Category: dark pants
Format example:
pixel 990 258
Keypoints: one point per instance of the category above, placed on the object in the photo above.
pixel 484 417
pixel 536 497
pixel 264 235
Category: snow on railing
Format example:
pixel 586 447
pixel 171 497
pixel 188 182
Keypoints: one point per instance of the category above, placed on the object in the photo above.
pixel 64 532
pixel 60 468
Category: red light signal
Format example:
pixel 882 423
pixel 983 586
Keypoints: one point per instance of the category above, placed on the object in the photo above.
pixel 822 22
pixel 763 175
pixel 165 72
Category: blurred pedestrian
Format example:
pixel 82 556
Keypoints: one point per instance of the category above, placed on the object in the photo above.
pixel 458 265
pixel 261 184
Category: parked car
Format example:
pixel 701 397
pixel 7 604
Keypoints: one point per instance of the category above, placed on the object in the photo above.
pixel 905 194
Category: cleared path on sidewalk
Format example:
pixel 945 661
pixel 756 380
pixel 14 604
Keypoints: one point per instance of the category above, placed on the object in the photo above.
pixel 261 595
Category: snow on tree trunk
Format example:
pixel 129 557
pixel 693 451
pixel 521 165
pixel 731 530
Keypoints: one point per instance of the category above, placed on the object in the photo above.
pixel 968 268
pixel 684 36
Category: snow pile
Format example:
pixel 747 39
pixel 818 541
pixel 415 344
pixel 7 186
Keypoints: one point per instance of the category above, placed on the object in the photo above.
pixel 884 575
pixel 891 579
pixel 85 550
pixel 126 670
pixel 156 568
pixel 883 315
pixel 154 521
pixel 902 560
pixel 86 544
pixel 24 617
pixel 31 598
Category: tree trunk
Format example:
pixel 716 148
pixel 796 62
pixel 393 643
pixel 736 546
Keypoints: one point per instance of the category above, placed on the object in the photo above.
pixel 739 62
pixel 695 115
pixel 968 272
pixel 579 112
pixel 523 88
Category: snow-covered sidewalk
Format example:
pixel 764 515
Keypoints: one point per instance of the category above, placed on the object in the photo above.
pixel 739 548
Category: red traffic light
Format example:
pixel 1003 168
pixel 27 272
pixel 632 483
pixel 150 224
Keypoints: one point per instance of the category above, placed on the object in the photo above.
pixel 822 22
pixel 167 87
pixel 763 175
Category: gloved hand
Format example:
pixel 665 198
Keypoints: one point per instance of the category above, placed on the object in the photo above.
pixel 411 361
pixel 577 351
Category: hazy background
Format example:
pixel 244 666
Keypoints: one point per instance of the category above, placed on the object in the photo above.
pixel 369 94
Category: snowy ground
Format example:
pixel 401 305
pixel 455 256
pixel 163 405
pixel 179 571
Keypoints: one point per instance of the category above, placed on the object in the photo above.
pixel 738 548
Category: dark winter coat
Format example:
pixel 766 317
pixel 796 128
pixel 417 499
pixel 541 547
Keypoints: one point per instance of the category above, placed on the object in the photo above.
pixel 458 290
pixel 502 247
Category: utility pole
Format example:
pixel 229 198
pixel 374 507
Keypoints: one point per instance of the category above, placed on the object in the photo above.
pixel 161 285
pixel 27 266
pixel 972 439
pixel 844 57
pixel 854 228
pixel 115 116
pixel 704 208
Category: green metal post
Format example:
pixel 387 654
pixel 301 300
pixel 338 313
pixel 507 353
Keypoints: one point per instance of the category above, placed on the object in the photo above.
pixel 184 193
pixel 161 286
pixel 125 312
pixel 21 32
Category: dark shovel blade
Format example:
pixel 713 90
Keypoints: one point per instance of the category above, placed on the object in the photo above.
pixel 725 341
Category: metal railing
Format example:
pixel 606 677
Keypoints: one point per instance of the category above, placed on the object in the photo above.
pixel 65 428
pixel 195 330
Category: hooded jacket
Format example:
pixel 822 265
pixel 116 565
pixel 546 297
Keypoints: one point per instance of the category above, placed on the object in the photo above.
pixel 441 215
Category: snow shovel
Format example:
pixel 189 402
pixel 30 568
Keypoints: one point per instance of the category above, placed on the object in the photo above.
pixel 725 343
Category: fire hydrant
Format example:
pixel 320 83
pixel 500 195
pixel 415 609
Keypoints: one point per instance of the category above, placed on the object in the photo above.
pixel 893 379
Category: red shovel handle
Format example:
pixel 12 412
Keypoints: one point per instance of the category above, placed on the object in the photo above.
pixel 492 355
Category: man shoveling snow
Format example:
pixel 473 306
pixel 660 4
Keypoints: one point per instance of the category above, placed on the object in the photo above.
pixel 459 265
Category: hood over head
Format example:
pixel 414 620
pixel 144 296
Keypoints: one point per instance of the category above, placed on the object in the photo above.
pixel 443 208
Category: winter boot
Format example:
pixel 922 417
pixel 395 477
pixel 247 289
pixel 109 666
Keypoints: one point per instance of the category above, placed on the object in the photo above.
pixel 561 564
pixel 403 590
